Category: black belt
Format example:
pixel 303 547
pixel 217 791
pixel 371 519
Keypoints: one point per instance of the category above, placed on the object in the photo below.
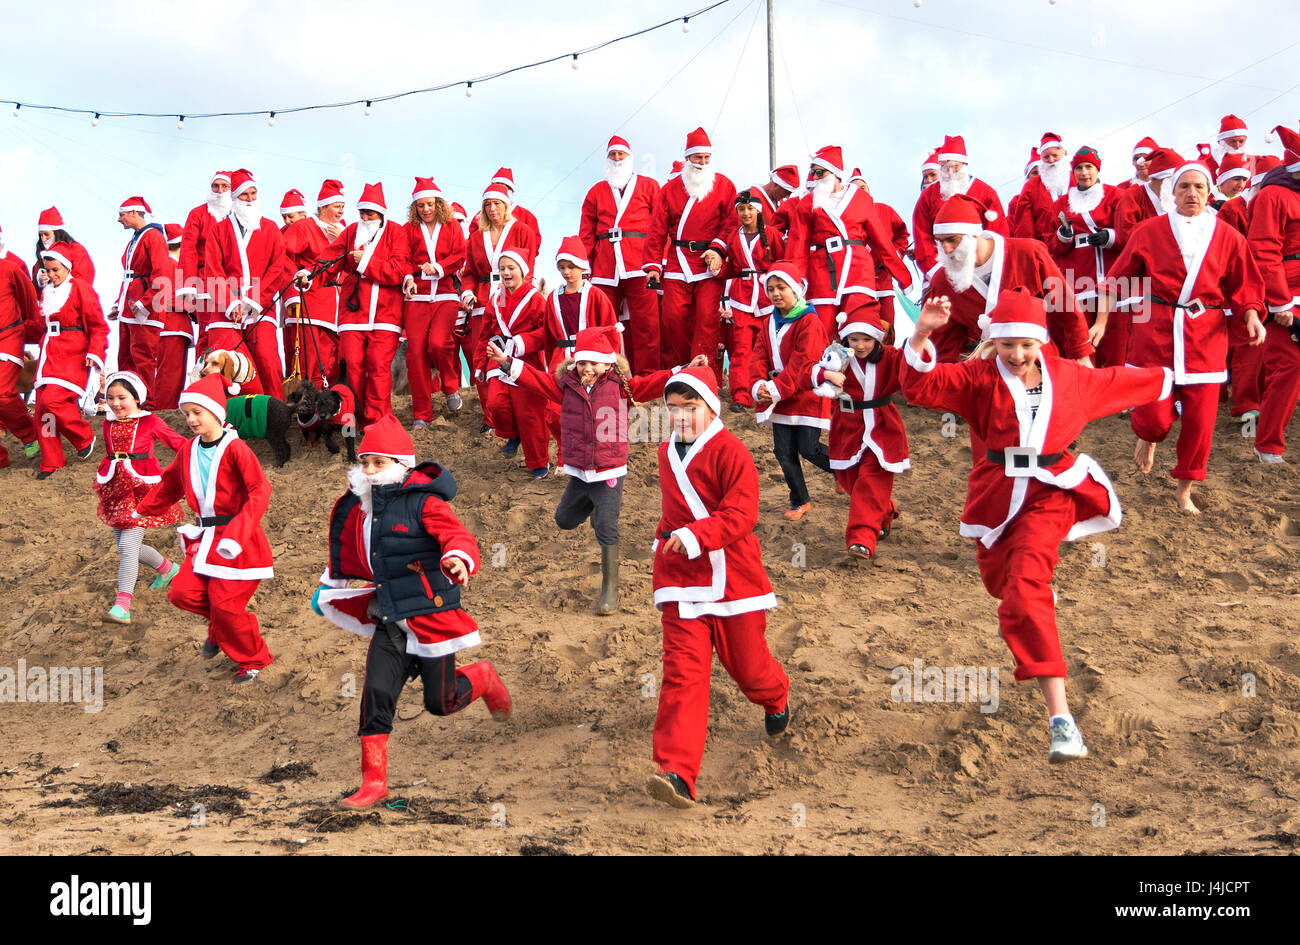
pixel 1291 258
pixel 616 234
pixel 214 520
pixel 746 273
pixel 62 328
pixel 128 455
pixel 695 246
pixel 664 536
pixel 566 343
pixel 839 243
pixel 846 404
pixel 1044 459
pixel 12 325
pixel 1197 305
pixel 830 258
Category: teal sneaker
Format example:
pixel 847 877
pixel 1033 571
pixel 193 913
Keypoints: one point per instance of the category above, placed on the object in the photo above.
pixel 1067 743
pixel 32 449
pixel 117 615
pixel 161 581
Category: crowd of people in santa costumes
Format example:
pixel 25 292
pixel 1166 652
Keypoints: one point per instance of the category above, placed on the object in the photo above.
pixel 1081 299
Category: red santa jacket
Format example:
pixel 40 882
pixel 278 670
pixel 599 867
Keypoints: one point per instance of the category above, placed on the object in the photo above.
pixel 511 318
pixel 523 215
pixel 682 227
pixel 782 362
pixel 145 264
pixel 710 504
pixel 427 635
pixel 892 224
pixel 1236 213
pixel 839 245
pixel 1275 243
pixel 778 214
pixel 856 429
pixel 194 242
pixel 244 268
pixel 745 266
pixel 129 447
pixel 19 311
pixel 305 243
pixel 552 338
pixel 480 275
pixel 1015 264
pixel 171 296
pixel 996 405
pixel 82 267
pixel 927 207
pixel 373 283
pixel 1087 212
pixel 444 247
pixel 1136 205
pixel 1165 332
pixel 614 227
pixel 227 542
pixel 1035 218
pixel 72 329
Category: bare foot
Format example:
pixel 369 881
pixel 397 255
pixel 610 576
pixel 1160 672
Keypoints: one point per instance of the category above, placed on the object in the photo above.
pixel 1185 497
pixel 1144 457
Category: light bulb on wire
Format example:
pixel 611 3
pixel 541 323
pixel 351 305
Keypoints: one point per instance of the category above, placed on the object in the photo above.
pixel 94 122
pixel 16 107
pixel 469 89
pixel 686 24
pixel 270 120
pixel 367 111
pixel 180 122
pixel 575 62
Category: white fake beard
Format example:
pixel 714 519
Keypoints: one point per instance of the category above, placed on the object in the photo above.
pixel 366 230
pixel 1086 201
pixel 1167 197
pixel 247 212
pixel 823 192
pixel 1055 177
pixel 46 244
pixel 956 183
pixel 219 205
pixel 959 265
pixel 1219 150
pixel 698 180
pixel 359 484
pixel 618 173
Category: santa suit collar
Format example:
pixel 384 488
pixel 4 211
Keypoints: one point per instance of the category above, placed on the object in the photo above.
pixel 1085 201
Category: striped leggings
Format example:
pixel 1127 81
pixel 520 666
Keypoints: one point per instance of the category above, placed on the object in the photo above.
pixel 131 550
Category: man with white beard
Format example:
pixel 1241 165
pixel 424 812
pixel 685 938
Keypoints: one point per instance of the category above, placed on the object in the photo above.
pixel 1040 192
pixel 691 214
pixel 247 266
pixel 1230 140
pixel 976 265
pixel 615 220
pixel 954 178
pixel 837 236
pixel 196 294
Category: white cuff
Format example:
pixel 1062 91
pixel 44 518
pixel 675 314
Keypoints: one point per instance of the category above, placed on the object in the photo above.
pixel 1110 237
pixel 468 297
pixel 139 309
pixel 409 278
pixel 469 562
pixel 771 389
pixel 916 362
pixel 1284 307
pixel 516 368
pixel 689 542
pixel 753 391
pixel 228 548
pixel 328 581
pixel 438 273
pixel 183 293
pixel 98 360
pixel 1168 388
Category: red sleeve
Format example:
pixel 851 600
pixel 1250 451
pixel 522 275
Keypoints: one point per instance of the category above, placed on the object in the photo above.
pixel 646 387
pixel 760 358
pixel 922 237
pixel 189 248
pixel 954 387
pixel 452 257
pixel 1268 218
pixel 93 319
pixel 657 235
pixel 173 440
pixel 154 246
pixel 1243 285
pixel 25 297
pixel 214 270
pixel 541 383
pixel 456 541
pixel 736 515
pixel 812 342
pixel 587 225
pixel 1104 391
pixel 169 490
pixel 1066 322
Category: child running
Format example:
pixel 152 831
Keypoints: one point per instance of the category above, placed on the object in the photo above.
pixel 1027 493
pixel 394 530
pixel 125 475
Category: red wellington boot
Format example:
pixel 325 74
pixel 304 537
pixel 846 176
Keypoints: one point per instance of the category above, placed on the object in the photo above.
pixel 374 773
pixel 487 685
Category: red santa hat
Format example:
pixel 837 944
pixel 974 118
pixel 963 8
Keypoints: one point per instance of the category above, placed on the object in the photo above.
pixel 789 271
pixel 1032 162
pixel 952 149
pixel 864 318
pixel 1143 148
pixel 50 220
pixel 175 232
pixel 1086 155
pixel 598 344
pixel 293 202
pixel 931 162
pixel 331 191
pixel 702 381
pixel 372 198
pixel 1233 165
pixel 857 175
pixel 210 392
pixel 458 212
pixel 385 437
pixel 697 142
pixel 132 381
pixel 135 204
pixel 424 189
pixel 786 176
pixel 497 191
pixel 1017 315
pixel 617 143
pixel 221 175
pixel 517 256
pixel 1263 164
pixel 1198 166
pixel 240 181
pixel 1050 140
pixel 961 215
pixel 831 158
pixel 1162 162
pixel 505 177
pixel 61 253
pixel 1231 127
pixel 572 250
pixel 677 169
pixel 1291 144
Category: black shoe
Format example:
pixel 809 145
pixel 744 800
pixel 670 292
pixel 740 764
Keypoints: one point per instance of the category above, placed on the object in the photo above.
pixel 511 446
pixel 210 649
pixel 671 789
pixel 776 724
pixel 244 676
pixel 739 408
pixel 85 454
pixel 45 474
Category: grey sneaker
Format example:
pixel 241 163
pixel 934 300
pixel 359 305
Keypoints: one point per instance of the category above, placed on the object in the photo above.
pixel 1067 743
pixel 419 425
pixel 1269 458
pixel 454 402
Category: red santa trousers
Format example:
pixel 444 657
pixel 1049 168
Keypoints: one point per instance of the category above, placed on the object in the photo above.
pixel 1113 349
pixel 738 336
pixel 13 411
pixel 1018 571
pixel 430 346
pixel 827 314
pixel 1246 362
pixel 137 350
pixel 519 414
pixel 871 502
pixel 641 343
pixel 57 413
pixel 1281 389
pixel 469 346
pixel 308 349
pixel 225 604
pixel 688 322
pixel 368 356
pixel 1200 402
pixel 262 346
pixel 683 718
pixel 173 358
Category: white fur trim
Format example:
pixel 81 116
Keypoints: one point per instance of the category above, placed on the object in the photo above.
pixel 1168 387
pixel 701 388
pixel 1018 330
pixel 916 361
pixel 702 149
pixel 952 156
pixel 957 229
pixel 58 258
pixel 597 356
pixel 689 541
pixel 207 403
pixel 866 329
pixel 370 205
pixel 229 549
pixel 469 562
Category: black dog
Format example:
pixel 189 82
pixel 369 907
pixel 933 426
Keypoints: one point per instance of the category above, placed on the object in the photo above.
pixel 259 416
pixel 325 413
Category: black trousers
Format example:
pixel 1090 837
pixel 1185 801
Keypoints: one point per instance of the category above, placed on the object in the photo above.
pixel 387 670
pixel 789 442
pixel 598 500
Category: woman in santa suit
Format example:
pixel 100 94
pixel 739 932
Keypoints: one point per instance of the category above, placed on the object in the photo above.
pixel 311 317
pixel 74 341
pixel 1085 246
pixel 497 232
pixel 50 230
pixel 1197 270
pixel 432 304
pixel 1027 493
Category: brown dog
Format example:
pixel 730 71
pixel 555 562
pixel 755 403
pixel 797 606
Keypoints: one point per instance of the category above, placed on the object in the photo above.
pixel 235 366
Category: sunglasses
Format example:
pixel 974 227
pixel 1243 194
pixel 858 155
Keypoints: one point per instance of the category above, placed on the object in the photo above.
pixel 817 172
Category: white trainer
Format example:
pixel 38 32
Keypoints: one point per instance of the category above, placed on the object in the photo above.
pixel 1067 743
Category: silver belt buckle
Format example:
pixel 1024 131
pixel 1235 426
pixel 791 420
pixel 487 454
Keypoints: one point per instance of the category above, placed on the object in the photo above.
pixel 1021 461
pixel 1194 307
pixel 494 278
pixel 616 234
pixel 846 403
pixel 1081 241
pixel 834 244
pixel 53 329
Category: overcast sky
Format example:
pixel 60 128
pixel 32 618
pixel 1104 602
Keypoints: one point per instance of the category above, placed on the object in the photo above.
pixel 882 78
